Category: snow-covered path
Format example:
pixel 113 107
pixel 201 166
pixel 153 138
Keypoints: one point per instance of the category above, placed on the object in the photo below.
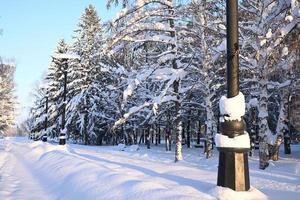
pixel 16 178
pixel 36 170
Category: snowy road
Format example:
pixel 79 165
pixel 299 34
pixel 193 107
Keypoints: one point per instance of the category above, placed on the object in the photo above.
pixel 36 170
pixel 16 178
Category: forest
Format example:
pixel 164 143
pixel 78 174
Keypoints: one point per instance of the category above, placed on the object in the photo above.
pixel 156 72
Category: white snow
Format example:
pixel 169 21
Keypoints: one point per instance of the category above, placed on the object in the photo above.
pixel 155 108
pixel 262 114
pixel 222 26
pixel 131 148
pixel 269 34
pixel 285 51
pixel 222 46
pixel 234 107
pixel 62 137
pixel 242 141
pixel 37 170
pixel 228 194
pixel 65 56
pixel 128 92
pixel 169 73
pixel 271 138
pixel 121 147
pixel 286 29
pixel 289 18
pixel 253 102
pixel 140 3
pixel 263 42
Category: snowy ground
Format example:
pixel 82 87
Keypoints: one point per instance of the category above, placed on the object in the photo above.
pixel 36 170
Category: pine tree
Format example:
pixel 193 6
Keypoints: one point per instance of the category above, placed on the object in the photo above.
pixel 89 77
pixel 57 91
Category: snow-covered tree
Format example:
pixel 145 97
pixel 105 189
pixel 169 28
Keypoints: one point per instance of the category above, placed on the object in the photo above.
pixel 160 67
pixel 264 25
pixel 92 108
pixel 150 32
pixel 85 71
pixel 204 40
pixel 56 88
pixel 7 97
pixel 38 114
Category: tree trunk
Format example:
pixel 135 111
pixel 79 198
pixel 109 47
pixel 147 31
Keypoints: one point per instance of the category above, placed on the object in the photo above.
pixel 178 149
pixel 188 134
pixel 168 138
pixel 148 138
pixel 142 137
pixel 159 135
pixel 209 128
pixel 183 133
pixel 275 149
pixel 135 135
pixel 85 131
pixel 140 140
pixel 280 128
pixel 176 83
pixel 100 139
pixel 45 135
pixel 131 137
pixel 287 133
pixel 156 135
pixel 263 128
pixel 263 153
pixel 152 134
pixel 199 133
pixel 287 144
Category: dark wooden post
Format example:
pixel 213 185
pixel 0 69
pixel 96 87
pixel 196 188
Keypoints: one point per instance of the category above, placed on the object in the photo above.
pixel 45 135
pixel 148 137
pixel 62 136
pixel 159 135
pixel 233 169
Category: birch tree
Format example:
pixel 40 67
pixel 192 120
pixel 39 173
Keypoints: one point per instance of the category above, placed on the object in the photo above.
pixel 264 26
pixel 7 97
pixel 205 39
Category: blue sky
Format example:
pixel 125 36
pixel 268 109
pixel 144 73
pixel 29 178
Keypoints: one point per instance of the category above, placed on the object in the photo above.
pixel 31 30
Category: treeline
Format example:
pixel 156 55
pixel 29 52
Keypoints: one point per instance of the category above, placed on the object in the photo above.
pixel 157 71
